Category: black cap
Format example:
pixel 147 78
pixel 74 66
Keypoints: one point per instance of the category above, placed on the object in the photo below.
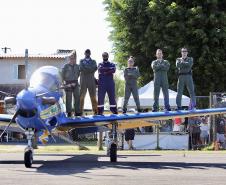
pixel 105 54
pixel 87 51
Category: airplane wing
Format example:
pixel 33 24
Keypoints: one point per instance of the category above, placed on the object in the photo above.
pixel 151 117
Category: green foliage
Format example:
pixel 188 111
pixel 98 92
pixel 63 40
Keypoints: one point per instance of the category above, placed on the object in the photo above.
pixel 142 26
pixel 119 87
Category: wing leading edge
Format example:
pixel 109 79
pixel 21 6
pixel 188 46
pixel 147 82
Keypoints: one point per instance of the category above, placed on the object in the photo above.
pixel 101 120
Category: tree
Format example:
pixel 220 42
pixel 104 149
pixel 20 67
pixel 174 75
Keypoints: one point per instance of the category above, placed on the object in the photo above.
pixel 142 26
pixel 119 87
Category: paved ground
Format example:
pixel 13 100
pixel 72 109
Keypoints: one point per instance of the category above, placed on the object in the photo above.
pixel 154 168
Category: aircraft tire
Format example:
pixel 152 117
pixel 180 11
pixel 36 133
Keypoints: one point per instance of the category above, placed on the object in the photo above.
pixel 113 152
pixel 28 158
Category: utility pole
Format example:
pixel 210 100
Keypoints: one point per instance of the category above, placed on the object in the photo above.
pixel 5 49
pixel 26 68
pixel 100 141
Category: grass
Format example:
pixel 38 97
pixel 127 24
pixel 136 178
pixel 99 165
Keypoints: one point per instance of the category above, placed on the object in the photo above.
pixel 209 148
pixel 71 149
pixel 53 148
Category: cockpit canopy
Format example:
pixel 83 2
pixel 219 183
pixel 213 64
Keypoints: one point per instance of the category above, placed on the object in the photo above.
pixel 46 76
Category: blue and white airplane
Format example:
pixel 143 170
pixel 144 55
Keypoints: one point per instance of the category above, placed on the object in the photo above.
pixel 40 109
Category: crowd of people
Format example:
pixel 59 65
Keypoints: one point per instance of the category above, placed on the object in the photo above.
pixel 199 128
pixel 87 67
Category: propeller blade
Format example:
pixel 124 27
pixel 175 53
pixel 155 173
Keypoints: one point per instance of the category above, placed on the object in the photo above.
pixel 11 121
pixel 7 94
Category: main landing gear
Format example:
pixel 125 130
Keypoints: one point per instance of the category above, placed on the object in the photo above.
pixel 28 153
pixel 112 146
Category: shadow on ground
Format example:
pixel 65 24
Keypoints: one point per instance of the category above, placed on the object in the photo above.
pixel 75 164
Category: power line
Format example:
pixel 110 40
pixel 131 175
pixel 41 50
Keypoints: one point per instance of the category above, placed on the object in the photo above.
pixel 5 49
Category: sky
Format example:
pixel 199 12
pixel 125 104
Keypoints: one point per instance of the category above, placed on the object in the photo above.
pixel 43 26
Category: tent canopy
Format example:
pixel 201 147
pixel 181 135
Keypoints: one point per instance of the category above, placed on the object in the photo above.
pixel 147 98
pixel 88 104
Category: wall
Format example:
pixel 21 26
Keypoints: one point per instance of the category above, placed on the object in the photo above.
pixel 8 68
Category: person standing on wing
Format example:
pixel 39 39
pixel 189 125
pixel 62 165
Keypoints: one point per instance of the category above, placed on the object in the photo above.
pixel 160 68
pixel 131 74
pixel 106 84
pixel 184 66
pixel 88 67
pixel 70 75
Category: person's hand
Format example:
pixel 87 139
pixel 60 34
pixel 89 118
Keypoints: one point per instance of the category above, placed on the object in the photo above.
pixel 68 85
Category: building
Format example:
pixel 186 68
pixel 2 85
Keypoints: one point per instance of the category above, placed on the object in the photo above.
pixel 12 68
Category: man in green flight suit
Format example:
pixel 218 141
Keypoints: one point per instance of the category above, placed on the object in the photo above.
pixel 184 66
pixel 160 68
pixel 131 74
pixel 88 67
pixel 70 75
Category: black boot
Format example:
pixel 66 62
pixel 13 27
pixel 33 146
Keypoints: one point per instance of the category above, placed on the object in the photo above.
pixel 179 108
pixel 100 113
pixel 167 109
pixel 124 111
pixel 78 114
pixel 69 114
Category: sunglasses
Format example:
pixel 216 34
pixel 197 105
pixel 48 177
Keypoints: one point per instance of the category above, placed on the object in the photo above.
pixel 184 51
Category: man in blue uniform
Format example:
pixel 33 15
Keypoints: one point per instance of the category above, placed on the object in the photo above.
pixel 160 68
pixel 106 84
pixel 184 66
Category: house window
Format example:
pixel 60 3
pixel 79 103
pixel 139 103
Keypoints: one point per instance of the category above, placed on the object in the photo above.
pixel 21 72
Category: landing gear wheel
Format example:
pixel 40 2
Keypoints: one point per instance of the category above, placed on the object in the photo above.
pixel 113 152
pixel 28 158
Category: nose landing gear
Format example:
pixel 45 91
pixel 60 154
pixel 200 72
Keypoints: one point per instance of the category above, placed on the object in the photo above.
pixel 28 158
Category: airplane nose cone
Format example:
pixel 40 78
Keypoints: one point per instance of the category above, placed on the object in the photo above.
pixel 26 100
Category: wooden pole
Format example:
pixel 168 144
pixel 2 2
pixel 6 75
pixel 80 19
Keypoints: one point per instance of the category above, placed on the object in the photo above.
pixel 100 141
pixel 157 134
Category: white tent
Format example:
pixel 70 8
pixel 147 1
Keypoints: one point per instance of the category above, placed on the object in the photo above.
pixel 147 99
pixel 88 104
